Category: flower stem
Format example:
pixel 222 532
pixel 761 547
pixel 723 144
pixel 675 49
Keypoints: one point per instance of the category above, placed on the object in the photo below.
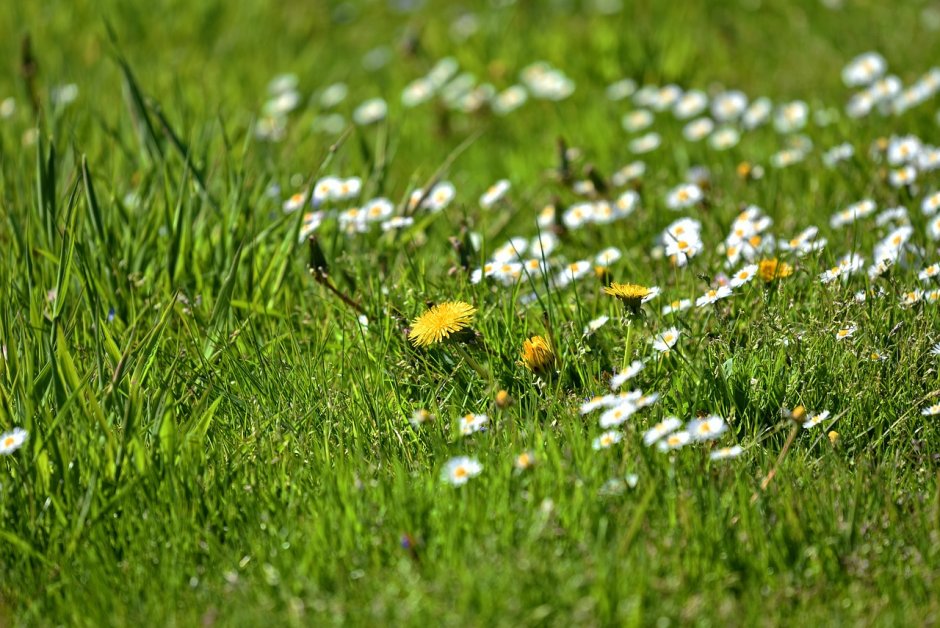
pixel 482 372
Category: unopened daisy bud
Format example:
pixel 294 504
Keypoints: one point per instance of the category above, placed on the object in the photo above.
pixel 537 354
pixel 503 400
pixel 833 437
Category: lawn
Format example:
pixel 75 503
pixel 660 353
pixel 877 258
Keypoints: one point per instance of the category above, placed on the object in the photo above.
pixel 495 313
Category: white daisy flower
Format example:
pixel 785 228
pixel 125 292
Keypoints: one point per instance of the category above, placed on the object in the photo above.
pixel 690 104
pixel 494 193
pixel 757 114
pixel 666 340
pixel 812 420
pixel 677 306
pixel 743 276
pixel 683 195
pixel 864 69
pixel 902 177
pixel 725 453
pixel 729 105
pixel 13 440
pixel 370 112
pixel 713 295
pixel 645 143
pixel 594 403
pixel 629 373
pixel 676 440
pixel 628 173
pixel 636 120
pixel 791 117
pixel 666 426
pixel 932 410
pixel 837 154
pixel 417 92
pixel 607 440
pixel 295 202
pixel 397 222
pixel 621 89
pixel 420 417
pixel 724 138
pixel 608 256
pixel 929 273
pixel 698 129
pixel 709 428
pixel 930 204
pixel 845 332
pixel 471 423
pixel 617 415
pixel 595 324
pixel 459 470
pixel 378 210
pixel 509 100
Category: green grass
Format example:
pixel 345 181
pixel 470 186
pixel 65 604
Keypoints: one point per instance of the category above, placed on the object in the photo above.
pixel 234 448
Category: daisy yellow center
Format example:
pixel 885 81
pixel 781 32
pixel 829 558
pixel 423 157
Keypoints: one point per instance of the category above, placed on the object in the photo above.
pixel 460 472
pixel 8 441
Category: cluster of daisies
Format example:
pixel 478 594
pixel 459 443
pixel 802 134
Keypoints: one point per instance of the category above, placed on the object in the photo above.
pixel 444 83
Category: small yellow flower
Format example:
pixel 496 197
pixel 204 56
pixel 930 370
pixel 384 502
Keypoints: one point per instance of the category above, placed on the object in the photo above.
pixel 537 354
pixel 503 400
pixel 770 269
pixel 630 294
pixel 833 437
pixel 439 322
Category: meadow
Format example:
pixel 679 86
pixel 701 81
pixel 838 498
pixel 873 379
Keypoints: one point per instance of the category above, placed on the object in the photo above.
pixel 563 313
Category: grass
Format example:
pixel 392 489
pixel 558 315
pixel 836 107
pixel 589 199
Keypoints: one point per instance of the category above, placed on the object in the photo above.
pixel 214 438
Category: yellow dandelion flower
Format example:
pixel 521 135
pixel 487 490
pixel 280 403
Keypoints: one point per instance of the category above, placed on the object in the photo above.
pixel 537 354
pixel 770 269
pixel 439 322
pixel 630 294
pixel 833 437
pixel 503 400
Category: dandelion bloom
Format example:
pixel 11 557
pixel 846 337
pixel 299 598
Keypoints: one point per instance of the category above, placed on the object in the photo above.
pixel 770 269
pixel 630 294
pixel 440 322
pixel 537 354
pixel 459 470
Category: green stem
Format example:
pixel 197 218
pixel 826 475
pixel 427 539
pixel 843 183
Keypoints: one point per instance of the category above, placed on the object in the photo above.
pixel 482 372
